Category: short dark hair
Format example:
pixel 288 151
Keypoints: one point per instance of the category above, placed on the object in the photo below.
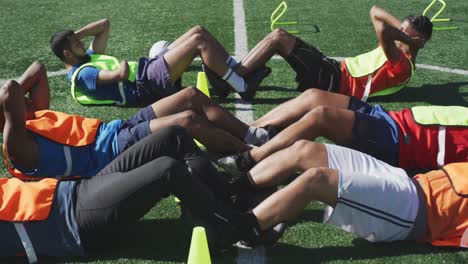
pixel 422 24
pixel 59 42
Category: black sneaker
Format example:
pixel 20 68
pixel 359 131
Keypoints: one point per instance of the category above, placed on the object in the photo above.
pixel 237 164
pixel 221 88
pixel 272 132
pixel 269 237
pixel 221 235
pixel 252 82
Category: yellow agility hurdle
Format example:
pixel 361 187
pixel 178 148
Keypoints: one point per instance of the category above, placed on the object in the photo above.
pixel 274 18
pixel 435 19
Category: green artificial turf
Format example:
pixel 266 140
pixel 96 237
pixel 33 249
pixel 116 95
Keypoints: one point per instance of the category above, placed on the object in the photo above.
pixel 345 30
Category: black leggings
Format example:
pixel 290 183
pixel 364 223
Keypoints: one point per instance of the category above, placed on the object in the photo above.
pixel 127 188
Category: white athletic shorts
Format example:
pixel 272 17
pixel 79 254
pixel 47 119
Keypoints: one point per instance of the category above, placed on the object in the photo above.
pixel 376 201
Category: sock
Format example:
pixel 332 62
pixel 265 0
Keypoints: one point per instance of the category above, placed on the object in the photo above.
pixel 231 62
pixel 234 80
pixel 256 136
pixel 253 231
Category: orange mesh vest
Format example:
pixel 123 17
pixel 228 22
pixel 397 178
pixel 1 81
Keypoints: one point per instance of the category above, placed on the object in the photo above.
pixel 23 202
pixel 69 130
pixel 446 195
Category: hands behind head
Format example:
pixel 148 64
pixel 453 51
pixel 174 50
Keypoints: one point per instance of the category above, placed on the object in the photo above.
pixel 11 97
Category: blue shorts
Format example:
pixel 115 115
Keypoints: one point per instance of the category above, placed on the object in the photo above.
pixel 374 131
pixel 153 80
pixel 135 128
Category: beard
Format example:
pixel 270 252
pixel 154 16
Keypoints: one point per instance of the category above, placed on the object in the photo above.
pixel 85 58
pixel 82 58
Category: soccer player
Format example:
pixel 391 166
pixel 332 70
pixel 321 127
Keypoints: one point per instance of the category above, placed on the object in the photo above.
pixel 54 217
pixel 418 137
pixel 382 71
pixel 39 142
pixel 96 78
pixel 365 196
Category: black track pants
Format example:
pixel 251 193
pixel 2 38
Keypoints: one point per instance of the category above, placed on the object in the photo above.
pixel 135 181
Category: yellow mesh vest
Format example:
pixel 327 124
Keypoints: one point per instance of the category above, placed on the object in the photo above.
pixel 103 62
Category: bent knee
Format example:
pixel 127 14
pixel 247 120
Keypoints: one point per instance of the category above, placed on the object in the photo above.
pixel 188 119
pixel 305 148
pixel 198 29
pixel 188 93
pixel 315 178
pixel 312 94
pixel 279 34
pixel 320 115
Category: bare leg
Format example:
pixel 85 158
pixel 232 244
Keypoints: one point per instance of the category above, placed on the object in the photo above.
pixel 286 204
pixel 333 123
pixel 299 157
pixel 180 40
pixel 277 42
pixel 34 81
pixel 192 99
pixel 196 42
pixel 316 183
pixel 214 139
pixel 292 110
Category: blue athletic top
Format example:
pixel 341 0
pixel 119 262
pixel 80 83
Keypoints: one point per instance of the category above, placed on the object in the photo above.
pixel 86 161
pixel 55 236
pixel 86 82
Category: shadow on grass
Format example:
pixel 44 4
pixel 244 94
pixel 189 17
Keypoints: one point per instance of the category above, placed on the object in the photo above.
pixel 277 89
pixel 361 250
pixel 193 68
pixel 310 215
pixel 147 240
pixel 437 94
pixel 162 240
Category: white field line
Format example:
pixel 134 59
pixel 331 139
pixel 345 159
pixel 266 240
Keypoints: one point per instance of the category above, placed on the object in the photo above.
pixel 243 109
pixel 276 57
pixel 245 113
pixel 49 74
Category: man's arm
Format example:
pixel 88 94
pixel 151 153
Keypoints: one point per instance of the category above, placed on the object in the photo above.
pixel 36 86
pixel 118 75
pixel 100 31
pixel 387 28
pixel 21 146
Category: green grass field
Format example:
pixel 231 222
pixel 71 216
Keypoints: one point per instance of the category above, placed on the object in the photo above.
pixel 345 30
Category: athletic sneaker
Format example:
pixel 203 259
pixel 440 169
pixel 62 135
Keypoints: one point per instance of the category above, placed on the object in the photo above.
pixel 272 132
pixel 269 237
pixel 221 236
pixel 252 82
pixel 220 86
pixel 237 164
